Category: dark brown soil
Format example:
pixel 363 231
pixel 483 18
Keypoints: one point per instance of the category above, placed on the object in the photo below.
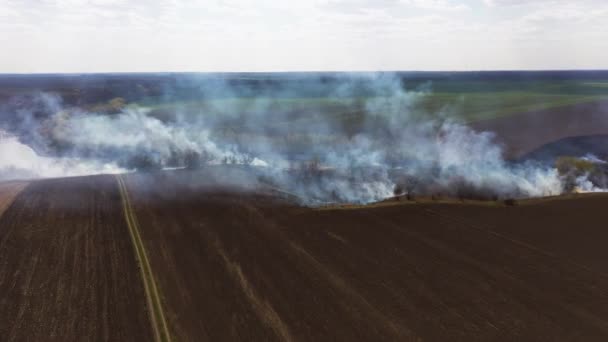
pixel 250 266
pixel 569 227
pixel 67 267
pixel 525 132
pixel 245 266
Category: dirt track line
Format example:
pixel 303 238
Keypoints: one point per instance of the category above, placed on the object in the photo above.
pixel 9 191
pixel 263 308
pixel 341 285
pixel 156 313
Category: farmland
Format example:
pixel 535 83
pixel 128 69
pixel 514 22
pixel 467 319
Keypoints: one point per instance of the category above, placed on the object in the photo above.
pixel 467 102
pixel 468 96
pixel 67 269
pixel 523 133
pixel 239 262
pixel 242 265
pixel 231 250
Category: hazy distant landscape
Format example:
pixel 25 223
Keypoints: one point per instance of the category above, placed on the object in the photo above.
pixel 370 131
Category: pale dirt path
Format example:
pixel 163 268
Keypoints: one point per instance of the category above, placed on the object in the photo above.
pixel 8 192
pixel 157 316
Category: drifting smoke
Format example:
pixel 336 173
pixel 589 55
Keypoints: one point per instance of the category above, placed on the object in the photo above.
pixel 395 147
pixel 20 161
pixel 130 139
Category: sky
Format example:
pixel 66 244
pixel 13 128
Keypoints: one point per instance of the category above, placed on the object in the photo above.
pixel 78 36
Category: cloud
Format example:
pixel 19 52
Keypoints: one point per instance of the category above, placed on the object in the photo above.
pixel 350 6
pixel 248 35
pixel 438 5
pixel 509 2
pixel 547 3
pixel 559 21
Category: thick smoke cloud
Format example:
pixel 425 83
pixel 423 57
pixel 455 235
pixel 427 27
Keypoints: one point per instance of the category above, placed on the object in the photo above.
pixel 385 144
pixel 19 161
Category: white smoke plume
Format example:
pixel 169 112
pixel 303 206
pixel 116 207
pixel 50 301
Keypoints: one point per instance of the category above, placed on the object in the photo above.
pixel 19 161
pixel 397 148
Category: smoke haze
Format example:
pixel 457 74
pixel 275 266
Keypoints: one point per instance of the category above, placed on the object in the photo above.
pixel 20 161
pixel 393 145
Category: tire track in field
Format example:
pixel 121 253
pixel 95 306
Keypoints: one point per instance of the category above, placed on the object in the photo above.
pixel 263 308
pixel 156 313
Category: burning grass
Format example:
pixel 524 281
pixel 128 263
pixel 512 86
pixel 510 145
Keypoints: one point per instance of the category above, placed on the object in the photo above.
pixel 366 137
pixel 586 174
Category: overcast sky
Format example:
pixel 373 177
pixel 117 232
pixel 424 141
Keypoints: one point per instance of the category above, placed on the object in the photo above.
pixel 290 35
